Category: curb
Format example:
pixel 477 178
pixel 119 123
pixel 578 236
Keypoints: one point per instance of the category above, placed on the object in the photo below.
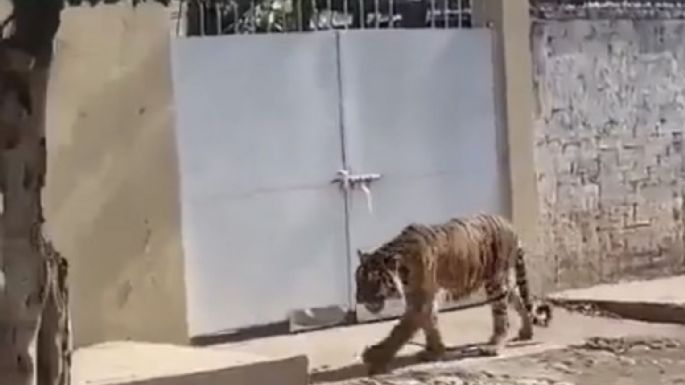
pixel 671 313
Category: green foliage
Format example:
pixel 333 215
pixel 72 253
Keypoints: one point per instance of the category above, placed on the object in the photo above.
pixel 82 2
pixel 97 2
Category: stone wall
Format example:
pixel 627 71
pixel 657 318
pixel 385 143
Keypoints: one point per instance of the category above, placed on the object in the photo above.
pixel 609 122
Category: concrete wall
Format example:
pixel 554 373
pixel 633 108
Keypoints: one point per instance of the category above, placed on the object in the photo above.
pixel 514 98
pixel 112 190
pixel 609 125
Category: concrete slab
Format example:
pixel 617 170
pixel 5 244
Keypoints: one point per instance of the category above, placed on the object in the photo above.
pixel 657 300
pixel 334 353
pixel 134 363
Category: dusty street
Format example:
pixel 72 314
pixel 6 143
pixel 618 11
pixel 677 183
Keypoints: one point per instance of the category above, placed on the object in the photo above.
pixel 629 352
pixel 599 361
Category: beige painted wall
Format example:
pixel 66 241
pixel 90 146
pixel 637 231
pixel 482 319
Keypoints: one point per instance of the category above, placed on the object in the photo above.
pixel 112 190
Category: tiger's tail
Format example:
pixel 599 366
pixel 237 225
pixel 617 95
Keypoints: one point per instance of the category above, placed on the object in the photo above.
pixel 542 314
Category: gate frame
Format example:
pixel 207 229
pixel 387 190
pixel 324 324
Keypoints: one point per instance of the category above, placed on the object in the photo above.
pixel 514 104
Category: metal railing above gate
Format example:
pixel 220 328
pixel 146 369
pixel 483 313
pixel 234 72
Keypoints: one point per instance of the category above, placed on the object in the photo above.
pixel 227 17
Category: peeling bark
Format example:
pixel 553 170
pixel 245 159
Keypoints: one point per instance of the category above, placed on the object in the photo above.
pixel 54 336
pixel 34 317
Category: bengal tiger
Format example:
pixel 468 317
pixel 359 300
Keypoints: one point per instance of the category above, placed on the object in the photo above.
pixel 457 258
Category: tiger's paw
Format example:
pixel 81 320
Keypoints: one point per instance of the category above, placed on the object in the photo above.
pixel 375 359
pixel 489 350
pixel 428 355
pixel 373 370
pixel 524 334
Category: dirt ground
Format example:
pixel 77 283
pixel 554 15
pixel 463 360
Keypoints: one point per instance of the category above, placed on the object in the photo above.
pixel 582 345
pixel 598 361
pixel 588 343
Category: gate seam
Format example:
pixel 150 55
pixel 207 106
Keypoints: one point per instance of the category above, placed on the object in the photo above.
pixel 345 165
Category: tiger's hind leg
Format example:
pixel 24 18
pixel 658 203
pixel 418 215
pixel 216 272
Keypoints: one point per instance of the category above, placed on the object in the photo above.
pixel 526 330
pixel 500 317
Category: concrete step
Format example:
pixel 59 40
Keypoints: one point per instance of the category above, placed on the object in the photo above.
pixel 129 363
pixel 658 300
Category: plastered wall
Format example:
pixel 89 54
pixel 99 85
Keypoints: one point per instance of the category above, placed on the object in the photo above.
pixel 112 190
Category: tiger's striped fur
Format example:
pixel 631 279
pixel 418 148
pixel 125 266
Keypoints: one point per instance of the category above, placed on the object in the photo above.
pixel 457 257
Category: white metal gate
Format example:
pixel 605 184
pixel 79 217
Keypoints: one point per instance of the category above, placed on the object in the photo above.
pixel 419 110
pixel 265 123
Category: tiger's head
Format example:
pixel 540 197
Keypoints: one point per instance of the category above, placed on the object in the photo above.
pixel 377 279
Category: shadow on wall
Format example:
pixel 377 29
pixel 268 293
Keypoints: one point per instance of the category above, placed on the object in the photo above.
pixel 112 193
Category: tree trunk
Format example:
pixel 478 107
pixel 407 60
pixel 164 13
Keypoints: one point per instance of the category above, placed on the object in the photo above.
pixel 54 336
pixel 34 322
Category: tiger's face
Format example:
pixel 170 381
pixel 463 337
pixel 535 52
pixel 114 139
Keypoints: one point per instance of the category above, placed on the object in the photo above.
pixel 376 280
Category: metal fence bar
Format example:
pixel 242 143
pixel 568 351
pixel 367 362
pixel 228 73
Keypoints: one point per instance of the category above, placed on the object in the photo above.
pixel 460 5
pixel 432 14
pixel 376 14
pixel 346 12
pixel 253 16
pixel 282 16
pixel 362 14
pixel 300 25
pixel 217 18
pixel 329 6
pixel 286 9
pixel 236 17
pixel 201 9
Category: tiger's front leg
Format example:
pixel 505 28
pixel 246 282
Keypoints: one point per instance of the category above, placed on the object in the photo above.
pixel 378 356
pixel 418 314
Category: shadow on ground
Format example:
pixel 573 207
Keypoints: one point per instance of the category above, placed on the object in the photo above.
pixel 454 353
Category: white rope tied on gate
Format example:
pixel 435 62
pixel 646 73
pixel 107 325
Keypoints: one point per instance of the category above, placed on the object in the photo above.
pixel 348 182
pixel 369 199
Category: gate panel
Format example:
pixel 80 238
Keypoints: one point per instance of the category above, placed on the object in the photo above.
pixel 419 109
pixel 259 141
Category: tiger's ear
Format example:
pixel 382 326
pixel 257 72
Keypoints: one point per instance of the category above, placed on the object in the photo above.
pixel 363 257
